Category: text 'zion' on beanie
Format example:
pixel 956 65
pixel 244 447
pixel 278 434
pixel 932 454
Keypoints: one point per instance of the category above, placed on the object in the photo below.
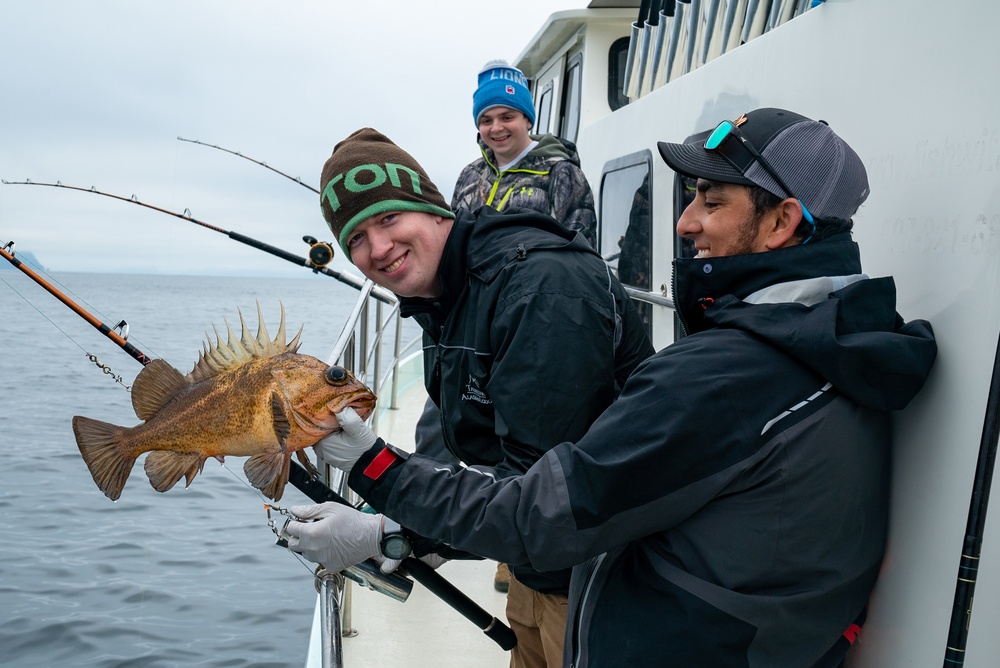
pixel 366 175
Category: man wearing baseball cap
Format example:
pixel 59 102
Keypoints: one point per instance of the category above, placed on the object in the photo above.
pixel 740 517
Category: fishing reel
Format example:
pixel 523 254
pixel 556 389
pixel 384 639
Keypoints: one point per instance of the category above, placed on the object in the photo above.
pixel 320 252
pixel 368 573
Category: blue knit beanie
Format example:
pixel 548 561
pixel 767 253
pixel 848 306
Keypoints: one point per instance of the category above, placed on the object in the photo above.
pixel 501 85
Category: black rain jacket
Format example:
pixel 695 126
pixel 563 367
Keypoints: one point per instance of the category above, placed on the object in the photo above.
pixel 530 341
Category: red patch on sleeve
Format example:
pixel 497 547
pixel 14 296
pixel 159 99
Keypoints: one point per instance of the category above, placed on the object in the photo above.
pixel 380 464
pixel 851 634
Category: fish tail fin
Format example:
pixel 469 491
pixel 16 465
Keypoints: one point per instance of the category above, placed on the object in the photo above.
pixel 99 444
pixel 165 467
pixel 268 472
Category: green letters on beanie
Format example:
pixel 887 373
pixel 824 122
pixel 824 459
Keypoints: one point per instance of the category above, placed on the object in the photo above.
pixel 367 175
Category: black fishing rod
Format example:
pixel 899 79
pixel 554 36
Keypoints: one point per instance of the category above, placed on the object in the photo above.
pixel 972 545
pixel 253 160
pixel 312 487
pixel 320 252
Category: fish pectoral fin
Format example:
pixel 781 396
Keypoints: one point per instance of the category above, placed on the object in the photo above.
pixel 279 418
pixel 307 463
pixel 165 467
pixel 98 443
pixel 156 384
pixel 268 472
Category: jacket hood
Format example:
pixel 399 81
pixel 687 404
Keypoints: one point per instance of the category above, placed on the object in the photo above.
pixel 812 303
pixel 549 149
pixel 522 231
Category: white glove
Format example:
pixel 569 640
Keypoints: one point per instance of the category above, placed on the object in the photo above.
pixel 343 448
pixel 341 537
pixel 433 560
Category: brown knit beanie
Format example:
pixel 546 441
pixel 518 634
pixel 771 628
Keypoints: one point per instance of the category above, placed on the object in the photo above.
pixel 367 175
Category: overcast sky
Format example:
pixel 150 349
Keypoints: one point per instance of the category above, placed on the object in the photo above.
pixel 96 93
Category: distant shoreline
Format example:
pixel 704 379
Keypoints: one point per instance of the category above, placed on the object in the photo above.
pixel 27 257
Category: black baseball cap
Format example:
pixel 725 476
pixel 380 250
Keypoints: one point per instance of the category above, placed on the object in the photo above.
pixel 816 164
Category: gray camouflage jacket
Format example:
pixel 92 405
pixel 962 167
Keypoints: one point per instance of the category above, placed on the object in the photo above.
pixel 548 180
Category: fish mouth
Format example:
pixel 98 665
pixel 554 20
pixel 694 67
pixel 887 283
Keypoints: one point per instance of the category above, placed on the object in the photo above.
pixel 319 426
pixel 363 404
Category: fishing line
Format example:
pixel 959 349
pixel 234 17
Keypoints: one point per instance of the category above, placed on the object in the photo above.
pixel 39 311
pixel 92 357
pixel 319 257
pixel 35 273
pixel 268 504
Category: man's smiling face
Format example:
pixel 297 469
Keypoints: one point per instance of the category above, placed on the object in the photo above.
pixel 721 221
pixel 401 251
pixel 505 132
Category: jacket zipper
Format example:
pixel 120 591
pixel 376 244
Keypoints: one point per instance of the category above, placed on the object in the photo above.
pixel 437 376
pixel 677 309
pixel 582 606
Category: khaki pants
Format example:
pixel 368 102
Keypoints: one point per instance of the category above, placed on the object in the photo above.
pixel 539 622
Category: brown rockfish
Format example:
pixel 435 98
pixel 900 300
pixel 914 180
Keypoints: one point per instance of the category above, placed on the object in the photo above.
pixel 250 397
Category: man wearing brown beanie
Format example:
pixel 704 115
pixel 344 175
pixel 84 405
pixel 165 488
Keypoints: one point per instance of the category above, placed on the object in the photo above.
pixel 528 335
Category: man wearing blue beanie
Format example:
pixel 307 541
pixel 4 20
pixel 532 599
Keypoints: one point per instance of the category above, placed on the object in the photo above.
pixel 501 85
pixel 518 169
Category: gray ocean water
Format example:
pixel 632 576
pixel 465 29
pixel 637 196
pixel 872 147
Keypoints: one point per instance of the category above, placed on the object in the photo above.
pixel 190 577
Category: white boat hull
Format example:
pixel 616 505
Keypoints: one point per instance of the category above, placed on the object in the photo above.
pixel 912 87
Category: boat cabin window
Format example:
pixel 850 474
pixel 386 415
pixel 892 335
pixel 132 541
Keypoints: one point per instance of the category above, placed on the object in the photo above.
pixel 570 125
pixel 544 115
pixel 617 58
pixel 625 225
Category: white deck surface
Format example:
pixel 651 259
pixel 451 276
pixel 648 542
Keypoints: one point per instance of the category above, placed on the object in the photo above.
pixel 423 630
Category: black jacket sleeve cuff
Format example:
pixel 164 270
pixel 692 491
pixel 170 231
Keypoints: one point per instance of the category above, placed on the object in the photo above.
pixel 374 474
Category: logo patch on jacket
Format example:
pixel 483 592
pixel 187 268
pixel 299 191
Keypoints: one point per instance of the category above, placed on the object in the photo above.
pixel 473 393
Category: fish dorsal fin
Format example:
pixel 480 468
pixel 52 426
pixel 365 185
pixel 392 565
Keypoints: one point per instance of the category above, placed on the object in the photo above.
pixel 219 357
pixel 156 384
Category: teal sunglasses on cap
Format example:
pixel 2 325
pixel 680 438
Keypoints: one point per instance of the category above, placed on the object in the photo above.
pixel 727 128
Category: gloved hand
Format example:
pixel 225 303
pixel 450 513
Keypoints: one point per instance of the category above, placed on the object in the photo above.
pixel 341 536
pixel 433 560
pixel 343 448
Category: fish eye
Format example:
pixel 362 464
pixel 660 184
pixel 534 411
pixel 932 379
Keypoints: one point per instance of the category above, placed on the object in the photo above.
pixel 337 375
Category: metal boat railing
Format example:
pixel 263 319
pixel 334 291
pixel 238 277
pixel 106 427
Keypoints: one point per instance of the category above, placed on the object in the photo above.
pixel 673 37
pixel 654 298
pixel 371 345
